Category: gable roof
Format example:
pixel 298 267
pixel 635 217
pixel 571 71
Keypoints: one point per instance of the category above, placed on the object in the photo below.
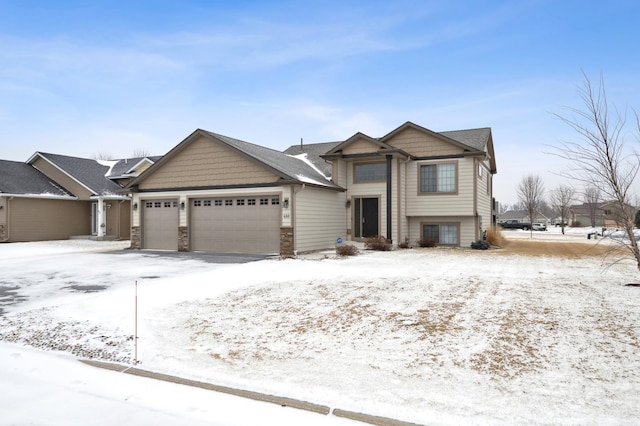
pixel 126 167
pixel 472 141
pixel 89 173
pixel 18 178
pixel 287 167
pixel 313 152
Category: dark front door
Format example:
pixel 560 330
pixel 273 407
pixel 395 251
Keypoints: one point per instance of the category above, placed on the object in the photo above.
pixel 365 217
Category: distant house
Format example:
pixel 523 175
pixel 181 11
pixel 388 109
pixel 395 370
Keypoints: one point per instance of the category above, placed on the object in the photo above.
pixel 215 193
pixel 53 196
pixel 522 216
pixel 604 214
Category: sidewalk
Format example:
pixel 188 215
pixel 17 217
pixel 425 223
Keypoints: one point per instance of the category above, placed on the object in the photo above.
pixel 279 400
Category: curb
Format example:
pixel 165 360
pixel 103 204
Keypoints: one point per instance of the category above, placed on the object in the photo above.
pixel 257 396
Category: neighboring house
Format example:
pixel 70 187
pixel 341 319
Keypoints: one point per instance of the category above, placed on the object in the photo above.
pixel 215 193
pixel 522 216
pixel 604 214
pixel 55 196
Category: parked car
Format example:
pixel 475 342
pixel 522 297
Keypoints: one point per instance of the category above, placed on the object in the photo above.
pixel 514 224
pixel 539 227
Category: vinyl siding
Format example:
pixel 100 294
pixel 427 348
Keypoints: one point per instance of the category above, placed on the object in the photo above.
pixel 484 197
pixel 360 146
pixel 206 163
pixel 62 179
pixel 41 219
pixel 118 218
pixel 320 218
pixel 459 204
pixel 420 144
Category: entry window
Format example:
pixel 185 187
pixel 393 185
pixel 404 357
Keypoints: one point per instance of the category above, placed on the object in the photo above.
pixel 370 172
pixel 438 178
pixel 446 234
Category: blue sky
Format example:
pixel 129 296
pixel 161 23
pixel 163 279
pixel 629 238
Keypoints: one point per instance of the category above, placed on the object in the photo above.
pixel 87 77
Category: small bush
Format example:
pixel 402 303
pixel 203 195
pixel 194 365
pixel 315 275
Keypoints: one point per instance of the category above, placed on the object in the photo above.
pixel 378 243
pixel 404 244
pixel 480 245
pixel 495 237
pixel 346 250
pixel 426 242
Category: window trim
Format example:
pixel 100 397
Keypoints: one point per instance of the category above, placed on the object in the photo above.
pixel 353 171
pixel 456 163
pixel 458 224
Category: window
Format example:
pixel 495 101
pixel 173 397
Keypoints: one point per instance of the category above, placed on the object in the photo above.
pixel 251 202
pixel 438 178
pixel 240 202
pixel 197 203
pixel 264 201
pixel 206 203
pixel 148 204
pixel 157 204
pixel 228 202
pixel 441 234
pixel 275 201
pixel 369 172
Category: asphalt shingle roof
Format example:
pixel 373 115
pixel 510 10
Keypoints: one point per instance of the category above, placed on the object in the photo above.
pixel 474 138
pixel 122 167
pixel 22 178
pixel 291 167
pixel 89 172
pixel 314 151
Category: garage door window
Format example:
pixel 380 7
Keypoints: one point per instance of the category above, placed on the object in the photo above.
pixel 228 202
pixel 240 202
pixel 197 203
pixel 251 202
pixel 218 202
pixel 275 201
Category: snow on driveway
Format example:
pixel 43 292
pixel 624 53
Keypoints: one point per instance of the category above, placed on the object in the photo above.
pixel 431 336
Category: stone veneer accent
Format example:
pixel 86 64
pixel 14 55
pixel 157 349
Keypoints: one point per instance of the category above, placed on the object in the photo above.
pixel 286 241
pixel 183 238
pixel 136 241
pixel 3 234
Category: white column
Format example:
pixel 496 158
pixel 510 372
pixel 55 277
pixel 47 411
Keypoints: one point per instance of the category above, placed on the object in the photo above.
pixel 102 218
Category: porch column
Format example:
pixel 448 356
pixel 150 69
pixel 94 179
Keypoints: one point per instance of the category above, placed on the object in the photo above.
pixel 389 199
pixel 102 223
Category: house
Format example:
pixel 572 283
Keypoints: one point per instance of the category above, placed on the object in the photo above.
pixel 522 216
pixel 53 196
pixel 220 194
pixel 603 214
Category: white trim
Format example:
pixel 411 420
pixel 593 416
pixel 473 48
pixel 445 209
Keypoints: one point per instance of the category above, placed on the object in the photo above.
pixel 51 196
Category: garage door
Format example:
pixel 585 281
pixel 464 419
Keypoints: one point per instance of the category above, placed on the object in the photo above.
pixel 236 224
pixel 160 225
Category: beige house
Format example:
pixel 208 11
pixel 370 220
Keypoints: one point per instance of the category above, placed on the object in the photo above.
pixel 53 196
pixel 215 193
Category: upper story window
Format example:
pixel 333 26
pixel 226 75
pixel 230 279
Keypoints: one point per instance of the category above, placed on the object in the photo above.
pixel 369 172
pixel 439 178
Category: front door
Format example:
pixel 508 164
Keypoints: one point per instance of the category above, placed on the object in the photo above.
pixel 94 219
pixel 365 217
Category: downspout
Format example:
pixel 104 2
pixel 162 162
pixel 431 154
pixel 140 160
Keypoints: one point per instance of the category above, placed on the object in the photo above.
pixel 389 194
pixel 7 215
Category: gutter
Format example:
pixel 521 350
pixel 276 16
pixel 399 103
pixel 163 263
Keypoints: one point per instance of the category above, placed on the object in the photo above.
pixel 7 222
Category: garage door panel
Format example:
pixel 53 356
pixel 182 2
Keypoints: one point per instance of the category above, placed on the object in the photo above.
pixel 160 224
pixel 236 225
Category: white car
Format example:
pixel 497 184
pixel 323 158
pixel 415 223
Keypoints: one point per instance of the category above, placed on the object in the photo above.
pixel 539 227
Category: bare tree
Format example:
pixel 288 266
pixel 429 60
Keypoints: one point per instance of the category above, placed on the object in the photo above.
pixel 561 198
pixel 530 193
pixel 600 158
pixel 140 152
pixel 103 156
pixel 592 200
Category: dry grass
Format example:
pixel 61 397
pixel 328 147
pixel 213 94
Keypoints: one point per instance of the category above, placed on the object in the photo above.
pixel 572 250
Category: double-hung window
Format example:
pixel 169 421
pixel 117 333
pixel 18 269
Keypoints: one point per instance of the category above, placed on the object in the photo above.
pixel 438 178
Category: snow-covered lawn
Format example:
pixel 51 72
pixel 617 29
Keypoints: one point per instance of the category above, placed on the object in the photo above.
pixel 430 336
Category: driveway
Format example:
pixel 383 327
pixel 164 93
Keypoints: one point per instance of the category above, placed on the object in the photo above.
pixel 200 255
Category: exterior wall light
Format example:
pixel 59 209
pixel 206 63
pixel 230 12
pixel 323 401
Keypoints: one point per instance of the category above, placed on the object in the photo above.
pixel 286 203
pixel 135 206
pixel 182 205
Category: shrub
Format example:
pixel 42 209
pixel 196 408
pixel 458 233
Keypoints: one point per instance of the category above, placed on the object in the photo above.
pixel 426 242
pixel 404 244
pixel 480 245
pixel 378 243
pixel 494 237
pixel 346 250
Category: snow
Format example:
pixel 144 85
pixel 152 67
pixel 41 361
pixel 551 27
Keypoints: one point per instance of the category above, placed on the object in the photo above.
pixel 435 336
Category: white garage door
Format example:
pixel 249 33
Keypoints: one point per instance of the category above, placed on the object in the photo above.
pixel 160 225
pixel 235 224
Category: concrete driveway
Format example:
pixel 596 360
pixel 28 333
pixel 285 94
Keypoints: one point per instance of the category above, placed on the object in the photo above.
pixel 200 255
